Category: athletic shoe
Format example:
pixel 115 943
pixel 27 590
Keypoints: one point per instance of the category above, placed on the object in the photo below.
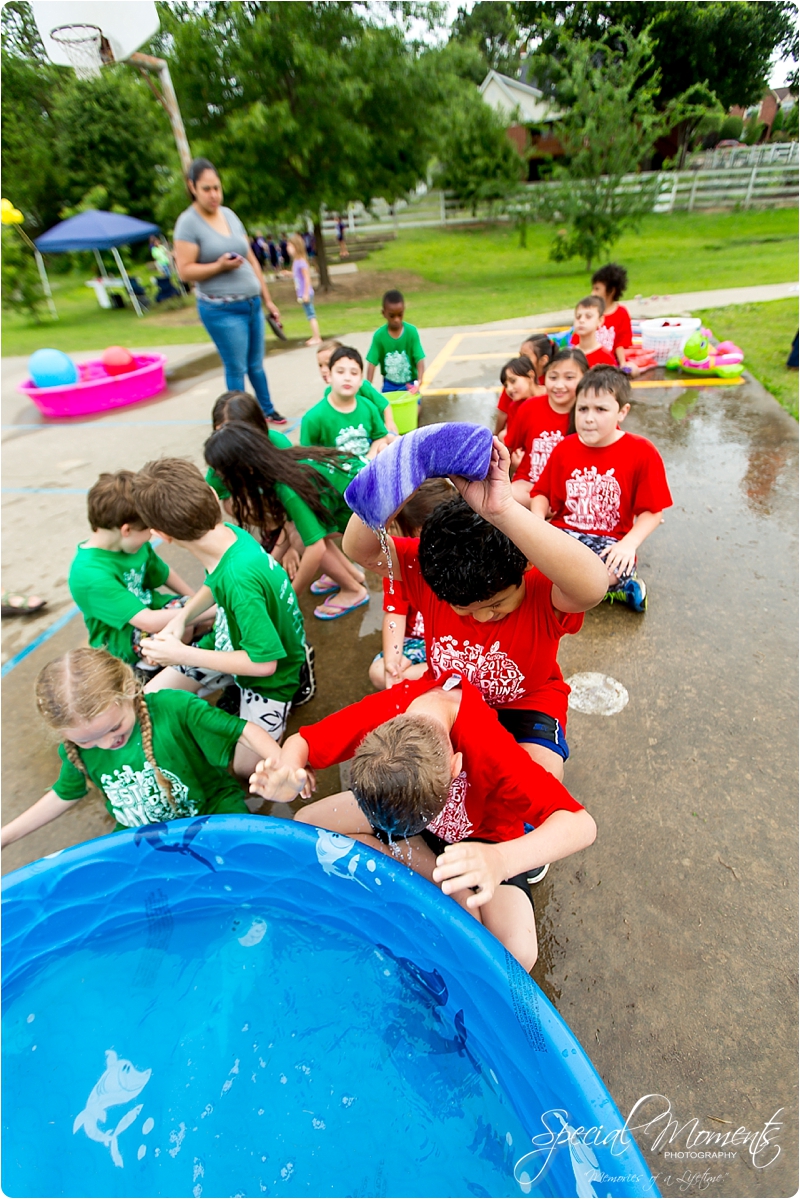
pixel 536 876
pixel 635 595
pixel 229 700
pixel 275 418
pixel 308 680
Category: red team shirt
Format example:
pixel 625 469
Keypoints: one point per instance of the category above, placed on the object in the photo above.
pixel 499 788
pixel 538 429
pixel 511 661
pixel 615 333
pixel 600 490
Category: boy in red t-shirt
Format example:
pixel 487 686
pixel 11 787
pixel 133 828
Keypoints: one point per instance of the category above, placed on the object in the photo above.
pixel 497 590
pixel 588 318
pixel 606 487
pixel 437 783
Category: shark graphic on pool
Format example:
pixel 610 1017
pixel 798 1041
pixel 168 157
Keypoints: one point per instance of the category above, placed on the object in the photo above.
pixel 119 1083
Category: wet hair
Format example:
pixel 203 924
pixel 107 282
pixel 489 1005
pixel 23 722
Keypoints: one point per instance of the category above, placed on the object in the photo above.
pixel 464 559
pixel 331 344
pixel 251 466
pixel 614 279
pixel 609 379
pixel 176 499
pixel 570 354
pixel 346 352
pixel 521 367
pixel 111 502
pixel 592 302
pixel 392 296
pixel 77 687
pixel 196 168
pixel 240 406
pixel 400 774
pixel 419 505
pixel 542 347
pixel 296 240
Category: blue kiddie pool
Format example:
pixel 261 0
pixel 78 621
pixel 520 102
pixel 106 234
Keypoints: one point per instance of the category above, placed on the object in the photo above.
pixel 246 1006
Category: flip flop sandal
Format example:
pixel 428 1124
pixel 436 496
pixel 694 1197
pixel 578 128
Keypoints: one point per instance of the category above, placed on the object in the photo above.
pixel 325 613
pixel 25 608
pixel 324 586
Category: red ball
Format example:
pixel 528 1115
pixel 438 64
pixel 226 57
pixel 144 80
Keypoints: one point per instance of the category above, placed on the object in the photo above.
pixel 118 361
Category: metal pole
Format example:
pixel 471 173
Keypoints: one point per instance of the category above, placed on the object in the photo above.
pixel 46 285
pixel 126 281
pixel 99 260
pixel 169 102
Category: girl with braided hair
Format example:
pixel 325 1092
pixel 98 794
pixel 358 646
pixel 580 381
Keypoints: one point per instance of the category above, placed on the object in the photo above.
pixel 154 758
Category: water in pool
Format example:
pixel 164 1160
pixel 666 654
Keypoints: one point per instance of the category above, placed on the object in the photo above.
pixel 245 1052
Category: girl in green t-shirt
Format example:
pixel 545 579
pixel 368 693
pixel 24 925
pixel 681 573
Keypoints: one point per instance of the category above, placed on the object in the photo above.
pixel 154 759
pixel 304 484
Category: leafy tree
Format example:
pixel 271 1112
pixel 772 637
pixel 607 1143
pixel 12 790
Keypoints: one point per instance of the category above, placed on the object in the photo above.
pixel 303 106
pixel 610 125
pixel 21 285
pixel 731 129
pixel 790 127
pixel 28 158
pixel 478 162
pixel 492 28
pixel 753 131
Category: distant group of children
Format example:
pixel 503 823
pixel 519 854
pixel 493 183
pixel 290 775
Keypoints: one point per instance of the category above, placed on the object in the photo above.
pixel 456 758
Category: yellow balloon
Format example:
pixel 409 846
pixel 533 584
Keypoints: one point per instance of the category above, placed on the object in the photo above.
pixel 9 215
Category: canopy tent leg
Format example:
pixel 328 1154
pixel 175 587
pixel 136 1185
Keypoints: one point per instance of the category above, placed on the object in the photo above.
pixel 46 285
pixel 126 281
pixel 99 260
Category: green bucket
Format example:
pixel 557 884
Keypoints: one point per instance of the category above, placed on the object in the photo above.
pixel 405 409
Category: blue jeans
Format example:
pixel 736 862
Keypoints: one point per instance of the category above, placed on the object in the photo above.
pixel 237 330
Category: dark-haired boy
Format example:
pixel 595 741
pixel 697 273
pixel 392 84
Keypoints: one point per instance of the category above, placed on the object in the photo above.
pixel 343 419
pixel 588 318
pixel 258 635
pixel 116 572
pixel 439 784
pixel 497 589
pixel 615 334
pixel 606 487
pixel 396 348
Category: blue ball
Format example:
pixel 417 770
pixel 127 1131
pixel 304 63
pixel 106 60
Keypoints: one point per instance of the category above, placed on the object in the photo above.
pixel 52 368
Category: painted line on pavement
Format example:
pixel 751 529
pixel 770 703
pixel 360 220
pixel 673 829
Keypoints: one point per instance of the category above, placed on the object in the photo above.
pixel 49 632
pixel 440 360
pixel 126 424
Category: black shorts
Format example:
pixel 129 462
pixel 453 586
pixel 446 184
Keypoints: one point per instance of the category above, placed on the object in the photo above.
pixel 537 728
pixel 438 846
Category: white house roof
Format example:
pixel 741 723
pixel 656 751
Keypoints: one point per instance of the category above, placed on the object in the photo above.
pixel 504 94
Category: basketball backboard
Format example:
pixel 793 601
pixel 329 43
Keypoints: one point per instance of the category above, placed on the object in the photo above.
pixel 126 24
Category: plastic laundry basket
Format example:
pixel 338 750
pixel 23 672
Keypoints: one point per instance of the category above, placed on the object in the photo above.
pixel 665 336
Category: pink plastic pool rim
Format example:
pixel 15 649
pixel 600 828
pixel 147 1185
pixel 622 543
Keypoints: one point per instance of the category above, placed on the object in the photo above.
pixel 97 391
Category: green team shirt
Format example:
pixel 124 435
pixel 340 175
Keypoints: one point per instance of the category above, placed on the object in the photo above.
pixel 368 391
pixel 216 481
pixel 257 612
pixel 193 744
pixel 351 432
pixel 110 588
pixel 396 356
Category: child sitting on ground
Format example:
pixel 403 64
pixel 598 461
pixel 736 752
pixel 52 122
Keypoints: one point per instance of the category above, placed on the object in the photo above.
pixel 520 381
pixel 366 390
pixel 301 275
pixel 615 333
pixel 437 783
pixel 303 483
pixel 403 633
pixel 544 421
pixel 154 758
pixel 606 487
pixel 115 573
pixel 588 317
pixel 344 420
pixel 396 348
pixel 258 633
pixel 497 590
pixel 539 351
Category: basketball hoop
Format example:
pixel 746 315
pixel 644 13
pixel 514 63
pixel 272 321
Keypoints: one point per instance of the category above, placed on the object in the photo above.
pixel 85 47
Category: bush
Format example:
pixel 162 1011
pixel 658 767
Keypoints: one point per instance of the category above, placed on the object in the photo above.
pixel 22 287
pixel 731 129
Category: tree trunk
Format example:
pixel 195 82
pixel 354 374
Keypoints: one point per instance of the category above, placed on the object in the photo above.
pixel 322 259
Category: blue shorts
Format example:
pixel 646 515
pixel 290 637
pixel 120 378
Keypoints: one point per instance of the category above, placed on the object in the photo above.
pixel 534 728
pixel 413 649
pixel 308 309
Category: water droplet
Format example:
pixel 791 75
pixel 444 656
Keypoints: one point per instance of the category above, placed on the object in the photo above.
pixel 31 1018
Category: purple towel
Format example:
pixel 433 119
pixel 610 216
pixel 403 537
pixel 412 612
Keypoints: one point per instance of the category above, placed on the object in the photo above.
pixel 432 452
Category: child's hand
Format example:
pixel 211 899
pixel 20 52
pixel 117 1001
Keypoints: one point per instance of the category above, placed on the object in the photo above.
pixel 281 784
pixel 176 626
pixel 163 649
pixel 291 562
pixel 620 558
pixel 472 865
pixel 492 496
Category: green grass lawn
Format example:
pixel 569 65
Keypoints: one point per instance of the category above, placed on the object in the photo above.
pixel 764 332
pixel 466 276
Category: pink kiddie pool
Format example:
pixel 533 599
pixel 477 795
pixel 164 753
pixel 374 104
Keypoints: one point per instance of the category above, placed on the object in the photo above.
pixel 97 391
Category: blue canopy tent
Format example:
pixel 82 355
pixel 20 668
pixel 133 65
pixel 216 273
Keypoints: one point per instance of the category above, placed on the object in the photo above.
pixel 96 231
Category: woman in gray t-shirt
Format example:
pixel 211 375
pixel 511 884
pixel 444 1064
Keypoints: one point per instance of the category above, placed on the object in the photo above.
pixel 212 251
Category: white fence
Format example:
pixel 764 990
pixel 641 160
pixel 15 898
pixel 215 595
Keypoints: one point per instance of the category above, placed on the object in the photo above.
pixel 771 186
pixel 770 154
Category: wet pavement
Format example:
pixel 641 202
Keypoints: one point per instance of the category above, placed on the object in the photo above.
pixel 670 945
